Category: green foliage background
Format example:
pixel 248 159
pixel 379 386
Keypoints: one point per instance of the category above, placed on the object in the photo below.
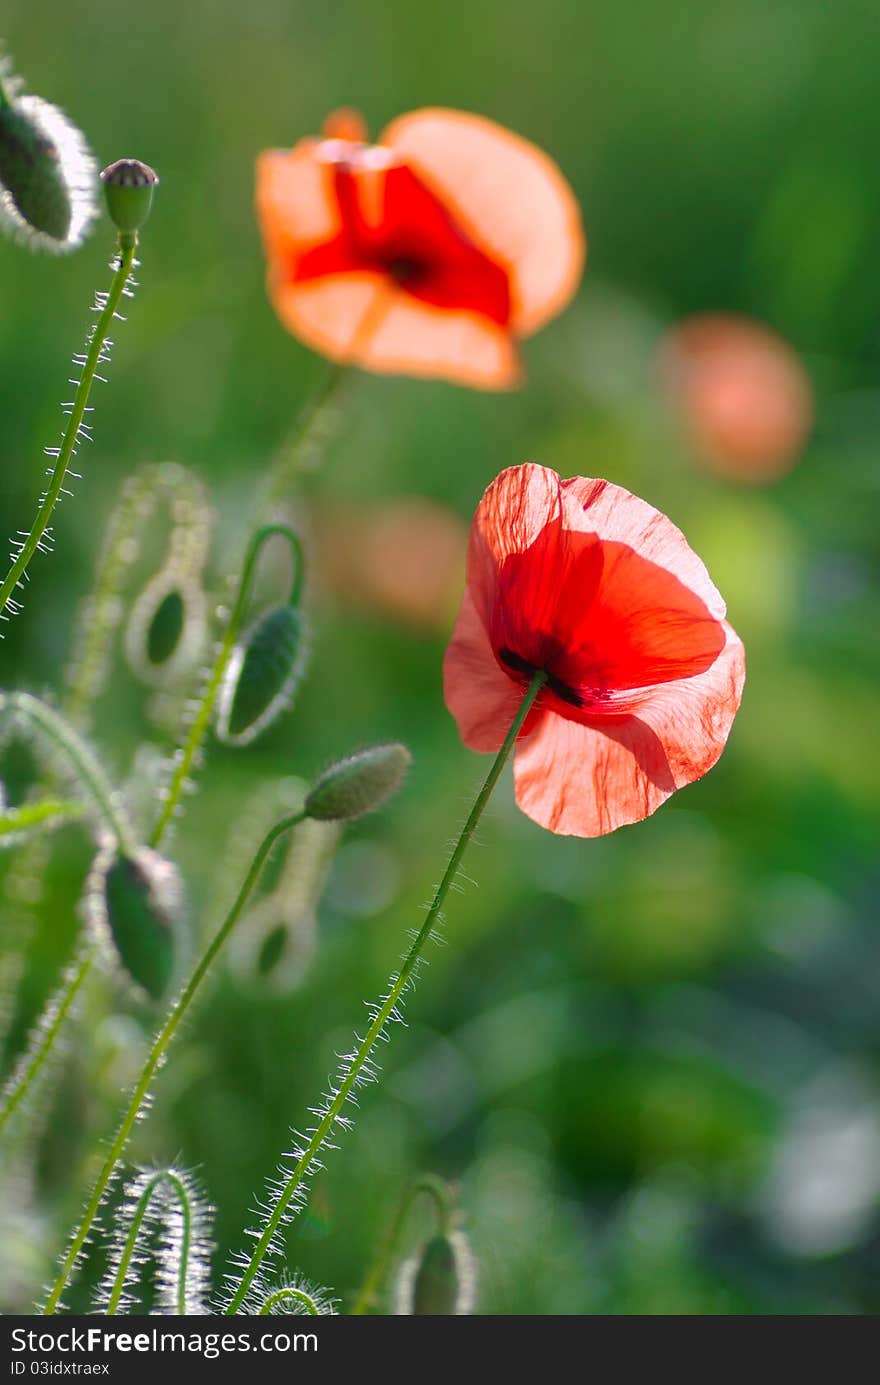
pixel 651 1060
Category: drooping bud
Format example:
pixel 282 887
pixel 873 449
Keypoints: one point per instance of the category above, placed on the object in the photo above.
pixel 263 675
pixel 47 173
pixel 359 784
pixel 439 1280
pixel 166 630
pixel 165 627
pixel 128 192
pixel 136 898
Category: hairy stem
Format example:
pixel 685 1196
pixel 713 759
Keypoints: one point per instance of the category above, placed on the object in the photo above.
pixel 128 1249
pixel 85 767
pixel 42 812
pixel 290 1294
pixel 96 349
pixel 33 1061
pixel 382 1014
pixel 293 457
pixel 154 1059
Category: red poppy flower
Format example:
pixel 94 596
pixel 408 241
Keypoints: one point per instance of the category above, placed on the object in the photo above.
pixel 429 253
pixel 644 675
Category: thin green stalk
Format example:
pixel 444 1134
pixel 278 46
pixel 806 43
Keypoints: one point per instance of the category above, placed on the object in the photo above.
pixel 292 458
pixel 86 767
pixel 39 813
pixel 54 1017
pixel 154 1059
pixel 124 263
pixel 187 755
pixel 383 1013
pixel 437 1190
pixel 90 775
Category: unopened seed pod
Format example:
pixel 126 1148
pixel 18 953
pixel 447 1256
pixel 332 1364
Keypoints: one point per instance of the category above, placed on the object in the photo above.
pixel 359 784
pixel 263 675
pixel 137 898
pixel 128 192
pixel 47 174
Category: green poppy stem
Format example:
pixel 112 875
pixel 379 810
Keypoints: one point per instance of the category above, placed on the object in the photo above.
pixel 383 1013
pixel 97 344
pixel 294 457
pixel 141 1089
pixel 188 753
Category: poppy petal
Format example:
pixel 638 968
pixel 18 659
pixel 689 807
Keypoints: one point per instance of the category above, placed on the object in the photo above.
pixel 584 781
pixel 483 700
pixel 416 338
pixel 585 577
pixel 295 200
pixel 508 195
pixel 511 516
pixel 330 314
pixel 614 513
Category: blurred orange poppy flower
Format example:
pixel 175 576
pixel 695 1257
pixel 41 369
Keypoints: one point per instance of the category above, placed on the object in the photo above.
pixel 429 253
pixel 594 586
pixel 401 559
pixel 741 392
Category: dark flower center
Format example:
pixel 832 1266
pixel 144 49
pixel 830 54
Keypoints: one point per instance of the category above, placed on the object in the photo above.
pixel 407 269
pixel 563 691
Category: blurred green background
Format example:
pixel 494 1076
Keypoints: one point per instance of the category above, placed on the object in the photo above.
pixel 651 1060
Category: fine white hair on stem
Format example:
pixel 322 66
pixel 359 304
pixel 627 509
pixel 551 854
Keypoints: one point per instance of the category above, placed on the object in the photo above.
pixel 293 1295
pixel 166 1219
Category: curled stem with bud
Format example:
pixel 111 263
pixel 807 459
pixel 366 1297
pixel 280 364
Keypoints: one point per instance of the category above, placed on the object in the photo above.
pixel 133 894
pixel 140 1092
pixel 230 668
pixel 441 1197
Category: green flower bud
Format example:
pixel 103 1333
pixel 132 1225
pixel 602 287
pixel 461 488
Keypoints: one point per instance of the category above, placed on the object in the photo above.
pixel 359 784
pixel 165 627
pixel 47 174
pixel 439 1279
pixel 263 675
pixel 128 191
pixel 137 899
pixel 166 630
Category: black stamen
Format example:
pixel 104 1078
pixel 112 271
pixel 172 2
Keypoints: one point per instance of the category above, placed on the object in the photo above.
pixel 563 691
pixel 515 661
pixel 405 269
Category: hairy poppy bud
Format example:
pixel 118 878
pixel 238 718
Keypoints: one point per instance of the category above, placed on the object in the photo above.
pixel 47 173
pixel 263 675
pixel 128 191
pixel 137 898
pixel 166 630
pixel 359 784
pixel 439 1279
